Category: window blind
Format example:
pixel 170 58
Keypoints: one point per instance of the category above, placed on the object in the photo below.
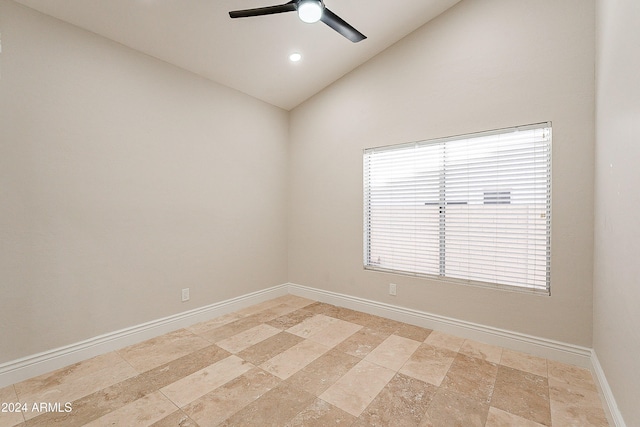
pixel 474 208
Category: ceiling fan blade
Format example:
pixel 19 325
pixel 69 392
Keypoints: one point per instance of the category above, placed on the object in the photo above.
pixel 269 10
pixel 341 26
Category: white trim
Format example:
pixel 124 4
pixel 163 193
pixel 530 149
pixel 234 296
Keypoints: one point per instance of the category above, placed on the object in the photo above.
pixel 550 349
pixel 47 361
pixel 610 406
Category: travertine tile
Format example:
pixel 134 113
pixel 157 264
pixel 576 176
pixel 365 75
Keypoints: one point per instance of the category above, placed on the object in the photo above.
pixel 571 375
pixel 413 332
pixel 205 380
pixel 323 372
pixel 402 402
pixel 262 306
pixel 522 394
pixel 3 419
pixel 524 362
pixel 426 421
pixel 312 325
pixel 321 414
pixel 293 359
pixel 246 339
pixel 321 308
pixel 273 313
pixel 175 419
pixel 73 382
pixel 291 319
pixel 179 368
pixel 393 327
pixel 229 329
pixel 449 408
pixel 294 301
pixel 220 404
pixel 144 411
pixel 488 352
pixel 11 418
pixel 160 350
pixel 319 365
pixel 98 404
pixel 440 339
pixel 393 352
pixel 274 408
pixel 335 333
pixel 352 316
pixel 358 387
pixel 385 325
pixel 362 342
pixel 429 364
pixel 203 328
pixel 271 347
pixel 118 395
pixel 471 377
pixel 500 418
pixel 325 309
pixel 575 406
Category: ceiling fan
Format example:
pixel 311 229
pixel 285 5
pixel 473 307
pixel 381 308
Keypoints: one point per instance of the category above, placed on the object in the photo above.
pixel 309 11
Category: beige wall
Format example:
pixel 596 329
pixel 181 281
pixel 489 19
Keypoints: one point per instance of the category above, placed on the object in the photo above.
pixel 484 64
pixel 122 180
pixel 616 337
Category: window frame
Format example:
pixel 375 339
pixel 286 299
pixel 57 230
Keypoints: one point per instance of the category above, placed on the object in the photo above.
pixel 498 200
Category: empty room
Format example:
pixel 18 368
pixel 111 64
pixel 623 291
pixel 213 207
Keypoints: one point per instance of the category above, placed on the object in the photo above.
pixel 319 212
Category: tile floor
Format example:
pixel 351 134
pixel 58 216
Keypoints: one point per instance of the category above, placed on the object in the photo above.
pixel 295 362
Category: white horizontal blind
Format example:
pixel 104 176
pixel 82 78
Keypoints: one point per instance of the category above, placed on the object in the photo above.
pixel 474 208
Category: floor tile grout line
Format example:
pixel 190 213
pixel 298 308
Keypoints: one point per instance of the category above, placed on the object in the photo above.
pixel 495 380
pixel 549 391
pixel 127 362
pixel 331 315
pixel 159 390
pixel 15 393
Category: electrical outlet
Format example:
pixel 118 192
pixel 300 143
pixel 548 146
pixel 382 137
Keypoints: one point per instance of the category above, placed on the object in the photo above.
pixel 392 289
pixel 185 294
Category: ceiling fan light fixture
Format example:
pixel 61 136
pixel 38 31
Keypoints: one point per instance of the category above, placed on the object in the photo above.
pixel 310 11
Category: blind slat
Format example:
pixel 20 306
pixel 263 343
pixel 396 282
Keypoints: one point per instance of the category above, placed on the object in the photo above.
pixel 475 208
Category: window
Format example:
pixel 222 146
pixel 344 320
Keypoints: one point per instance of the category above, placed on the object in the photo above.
pixel 473 208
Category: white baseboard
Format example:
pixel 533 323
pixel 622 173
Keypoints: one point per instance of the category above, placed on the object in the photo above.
pixel 47 361
pixel 554 350
pixel 610 406
pixel 549 349
pixel 37 364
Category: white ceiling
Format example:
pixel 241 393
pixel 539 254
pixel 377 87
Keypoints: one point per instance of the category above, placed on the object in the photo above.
pixel 249 54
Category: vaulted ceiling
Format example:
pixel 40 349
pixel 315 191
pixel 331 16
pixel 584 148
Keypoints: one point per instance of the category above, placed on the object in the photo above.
pixel 249 54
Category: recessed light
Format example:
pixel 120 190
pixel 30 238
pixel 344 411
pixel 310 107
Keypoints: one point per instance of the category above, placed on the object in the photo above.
pixel 295 57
